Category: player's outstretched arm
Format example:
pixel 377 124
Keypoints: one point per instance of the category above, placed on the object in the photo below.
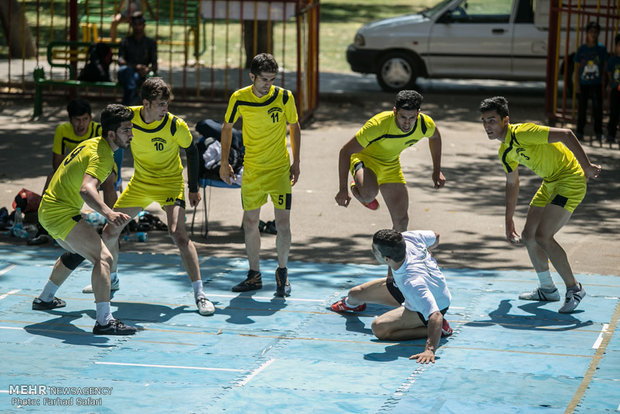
pixel 566 137
pixel 344 160
pixel 434 335
pixel 434 144
pixel 512 195
pixel 227 174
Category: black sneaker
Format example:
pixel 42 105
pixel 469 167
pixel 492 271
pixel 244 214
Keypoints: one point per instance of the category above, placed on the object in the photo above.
pixel 38 304
pixel 252 282
pixel 115 327
pixel 283 287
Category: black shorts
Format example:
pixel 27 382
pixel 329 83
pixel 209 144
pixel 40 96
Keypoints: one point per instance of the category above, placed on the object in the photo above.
pixel 394 290
pixel 425 322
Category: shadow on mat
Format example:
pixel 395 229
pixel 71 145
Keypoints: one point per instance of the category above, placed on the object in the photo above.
pixel 541 318
pixel 241 308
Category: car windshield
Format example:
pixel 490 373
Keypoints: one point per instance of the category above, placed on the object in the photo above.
pixel 432 11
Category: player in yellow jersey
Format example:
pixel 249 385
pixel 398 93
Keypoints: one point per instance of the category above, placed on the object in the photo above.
pixel 266 111
pixel 555 155
pixel 77 181
pixel 69 135
pixel 158 177
pixel 373 157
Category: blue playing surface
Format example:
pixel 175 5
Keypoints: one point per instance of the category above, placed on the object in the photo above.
pixel 263 354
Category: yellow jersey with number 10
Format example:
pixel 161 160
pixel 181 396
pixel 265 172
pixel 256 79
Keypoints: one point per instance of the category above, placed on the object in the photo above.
pixel 155 147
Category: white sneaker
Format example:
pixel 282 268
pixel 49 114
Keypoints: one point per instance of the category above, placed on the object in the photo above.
pixel 541 294
pixel 114 286
pixel 573 297
pixel 205 307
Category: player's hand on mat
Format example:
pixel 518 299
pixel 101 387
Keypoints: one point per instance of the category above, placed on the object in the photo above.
pixel 227 174
pixel 194 199
pixel 117 218
pixel 343 198
pixel 438 179
pixel 424 357
pixel 294 175
pixel 592 170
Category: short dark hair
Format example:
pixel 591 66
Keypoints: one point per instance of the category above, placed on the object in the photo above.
pixel 154 88
pixel 496 103
pixel 137 17
pixel 113 116
pixel 390 243
pixel 78 107
pixel 593 25
pixel 263 62
pixel 408 100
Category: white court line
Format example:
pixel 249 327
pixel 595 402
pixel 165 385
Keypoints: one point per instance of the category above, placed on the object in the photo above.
pixel 7 269
pixel 255 372
pixel 11 327
pixel 4 391
pixel 265 298
pixel 169 366
pixel 598 341
pixel 10 293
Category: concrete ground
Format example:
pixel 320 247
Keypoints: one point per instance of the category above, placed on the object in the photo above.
pixel 468 212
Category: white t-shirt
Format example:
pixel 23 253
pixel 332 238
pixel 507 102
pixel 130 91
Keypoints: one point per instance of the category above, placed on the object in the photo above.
pixel 419 278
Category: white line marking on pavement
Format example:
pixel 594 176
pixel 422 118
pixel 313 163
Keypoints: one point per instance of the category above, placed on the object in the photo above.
pixel 11 327
pixel 255 372
pixel 169 366
pixel 10 293
pixel 598 341
pixel 7 269
pixel 263 297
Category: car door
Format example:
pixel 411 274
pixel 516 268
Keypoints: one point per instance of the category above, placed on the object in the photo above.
pixel 472 39
pixel 529 46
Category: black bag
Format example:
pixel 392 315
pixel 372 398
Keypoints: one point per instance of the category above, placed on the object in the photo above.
pixel 97 68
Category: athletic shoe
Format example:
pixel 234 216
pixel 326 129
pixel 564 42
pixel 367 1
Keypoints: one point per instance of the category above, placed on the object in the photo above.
pixel 446 330
pixel 573 297
pixel 38 304
pixel 283 287
pixel 341 306
pixel 114 286
pixel 252 282
pixel 543 295
pixel 115 327
pixel 205 307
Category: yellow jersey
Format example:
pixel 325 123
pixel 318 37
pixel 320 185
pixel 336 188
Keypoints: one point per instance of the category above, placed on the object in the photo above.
pixel 93 157
pixel 528 144
pixel 65 139
pixel 264 125
pixel 383 140
pixel 155 147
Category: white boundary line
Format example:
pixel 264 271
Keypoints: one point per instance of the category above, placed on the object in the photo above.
pixel 598 341
pixel 255 372
pixel 169 366
pixel 7 269
pixel 9 293
pixel 265 298
pixel 12 328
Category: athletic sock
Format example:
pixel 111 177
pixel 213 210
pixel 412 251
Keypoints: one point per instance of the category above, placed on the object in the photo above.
pixel 198 292
pixel 546 282
pixel 49 291
pixel 104 313
pixel 346 302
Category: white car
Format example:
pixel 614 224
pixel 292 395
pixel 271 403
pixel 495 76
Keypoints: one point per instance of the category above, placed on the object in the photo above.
pixel 495 39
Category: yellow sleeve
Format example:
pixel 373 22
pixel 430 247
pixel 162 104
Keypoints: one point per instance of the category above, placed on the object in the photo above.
pixel 232 112
pixel 57 146
pixel 532 134
pixel 100 164
pixel 290 109
pixel 182 135
pixel 371 130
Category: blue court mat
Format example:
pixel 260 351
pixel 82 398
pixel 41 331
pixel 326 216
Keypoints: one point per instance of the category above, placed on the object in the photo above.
pixel 263 354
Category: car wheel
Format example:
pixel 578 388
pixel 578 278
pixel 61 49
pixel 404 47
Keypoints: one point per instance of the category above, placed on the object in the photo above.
pixel 396 72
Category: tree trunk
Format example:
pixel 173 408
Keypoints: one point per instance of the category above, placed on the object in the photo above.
pixel 262 42
pixel 18 34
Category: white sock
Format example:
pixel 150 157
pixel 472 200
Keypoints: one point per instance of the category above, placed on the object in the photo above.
pixel 104 313
pixel 49 291
pixel 346 302
pixel 113 277
pixel 198 292
pixel 546 282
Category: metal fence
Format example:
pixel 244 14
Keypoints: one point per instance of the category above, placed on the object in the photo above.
pixel 203 45
pixel 567 22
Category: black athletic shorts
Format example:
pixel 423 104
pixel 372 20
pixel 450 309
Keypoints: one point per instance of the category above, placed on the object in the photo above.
pixel 397 294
